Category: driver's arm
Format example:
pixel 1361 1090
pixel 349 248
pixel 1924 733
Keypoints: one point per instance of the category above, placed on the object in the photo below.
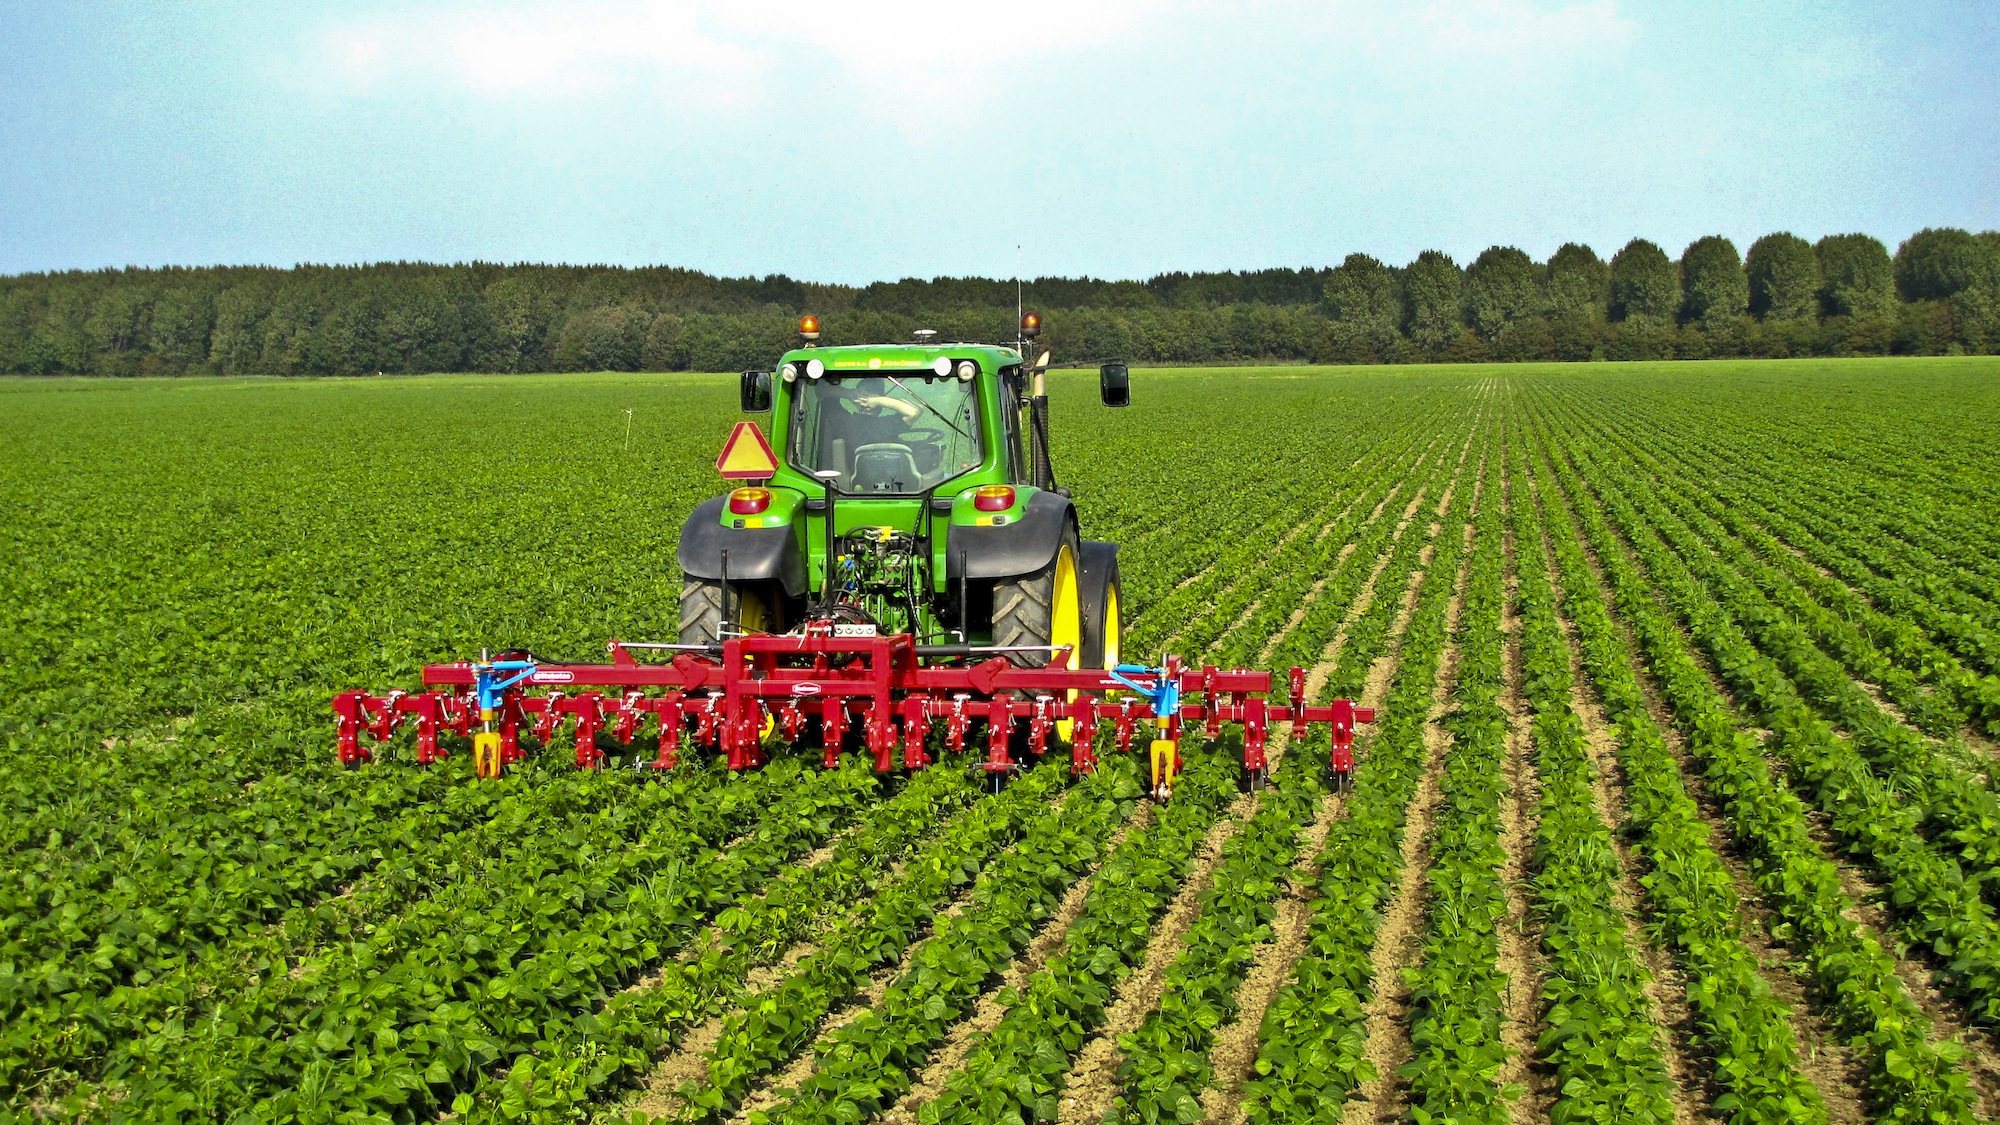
pixel 909 410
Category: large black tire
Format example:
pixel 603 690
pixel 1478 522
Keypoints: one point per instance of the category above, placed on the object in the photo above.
pixel 1103 606
pixel 755 610
pixel 1026 609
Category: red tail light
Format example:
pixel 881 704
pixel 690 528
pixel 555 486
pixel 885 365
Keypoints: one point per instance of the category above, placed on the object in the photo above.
pixel 749 501
pixel 993 497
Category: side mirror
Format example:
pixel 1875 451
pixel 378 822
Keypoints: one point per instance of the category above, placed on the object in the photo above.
pixel 756 392
pixel 1114 384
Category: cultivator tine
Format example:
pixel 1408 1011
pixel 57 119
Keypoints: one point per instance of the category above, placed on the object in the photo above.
pixel 916 728
pixel 999 730
pixel 1083 738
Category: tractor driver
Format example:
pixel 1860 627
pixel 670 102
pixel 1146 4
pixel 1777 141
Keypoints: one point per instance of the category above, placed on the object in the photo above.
pixel 887 418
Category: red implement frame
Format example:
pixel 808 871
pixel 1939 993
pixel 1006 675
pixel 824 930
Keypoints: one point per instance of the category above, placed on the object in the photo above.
pixel 878 685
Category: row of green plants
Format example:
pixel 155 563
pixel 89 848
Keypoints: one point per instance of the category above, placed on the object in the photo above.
pixel 1899 576
pixel 404 1019
pixel 1938 906
pixel 1457 990
pixel 592 1055
pixel 1600 1034
pixel 1211 460
pixel 1166 1062
pixel 1015 1072
pixel 1887 612
pixel 80 1001
pixel 1312 1039
pixel 1956 694
pixel 1931 516
pixel 1383 550
pixel 1316 559
pixel 1211 604
pixel 1953 803
pixel 1019 1069
pixel 1191 614
pixel 776 1022
pixel 864 1067
pixel 1908 1076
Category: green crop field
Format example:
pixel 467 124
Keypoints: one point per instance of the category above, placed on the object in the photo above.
pixel 1679 805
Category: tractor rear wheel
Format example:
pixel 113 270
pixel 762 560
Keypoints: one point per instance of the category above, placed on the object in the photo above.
pixel 1040 609
pixel 1103 617
pixel 754 609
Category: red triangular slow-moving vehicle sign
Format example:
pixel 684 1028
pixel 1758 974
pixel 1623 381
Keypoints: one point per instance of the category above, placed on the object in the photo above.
pixel 746 455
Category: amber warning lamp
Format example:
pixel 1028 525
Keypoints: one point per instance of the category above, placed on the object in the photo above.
pixel 809 328
pixel 1031 325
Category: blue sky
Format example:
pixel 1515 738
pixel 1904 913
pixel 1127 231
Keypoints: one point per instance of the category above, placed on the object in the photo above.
pixel 848 143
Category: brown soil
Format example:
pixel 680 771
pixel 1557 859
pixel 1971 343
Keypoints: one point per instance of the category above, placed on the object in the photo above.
pixel 1691 1073
pixel 1234 1055
pixel 987 1015
pixel 1399 940
pixel 1822 1058
pixel 1520 953
pixel 1982 1051
pixel 1092 1082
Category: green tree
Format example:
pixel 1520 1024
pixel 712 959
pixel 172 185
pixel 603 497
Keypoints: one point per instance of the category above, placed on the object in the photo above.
pixel 1644 283
pixel 1364 303
pixel 1579 283
pixel 1712 280
pixel 1784 278
pixel 1856 277
pixel 1362 291
pixel 1936 263
pixel 1432 288
pixel 1502 286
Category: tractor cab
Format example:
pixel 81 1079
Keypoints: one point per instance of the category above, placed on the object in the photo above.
pixel 908 490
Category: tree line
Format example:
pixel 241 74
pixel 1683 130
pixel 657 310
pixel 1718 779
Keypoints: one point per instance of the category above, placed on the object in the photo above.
pixel 1939 293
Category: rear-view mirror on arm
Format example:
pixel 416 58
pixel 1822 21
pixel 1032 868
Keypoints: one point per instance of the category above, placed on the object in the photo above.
pixel 1114 384
pixel 756 392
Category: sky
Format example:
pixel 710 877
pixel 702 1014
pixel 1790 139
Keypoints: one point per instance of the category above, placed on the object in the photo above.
pixel 855 142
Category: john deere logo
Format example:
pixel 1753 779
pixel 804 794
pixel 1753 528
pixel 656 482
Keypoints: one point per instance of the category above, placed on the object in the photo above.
pixel 874 362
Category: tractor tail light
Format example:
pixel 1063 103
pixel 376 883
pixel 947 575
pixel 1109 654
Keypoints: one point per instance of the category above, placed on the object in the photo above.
pixel 749 501
pixel 993 497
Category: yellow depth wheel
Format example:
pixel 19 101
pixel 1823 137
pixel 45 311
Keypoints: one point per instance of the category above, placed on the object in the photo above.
pixel 1163 769
pixel 486 754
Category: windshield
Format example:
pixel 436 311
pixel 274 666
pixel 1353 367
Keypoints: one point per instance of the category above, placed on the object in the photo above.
pixel 894 435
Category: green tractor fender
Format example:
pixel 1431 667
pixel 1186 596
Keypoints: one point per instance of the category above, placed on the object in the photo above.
pixel 756 554
pixel 1023 545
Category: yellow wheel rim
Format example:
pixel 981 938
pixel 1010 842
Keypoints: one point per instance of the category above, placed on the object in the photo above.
pixel 1065 608
pixel 752 615
pixel 1066 624
pixel 1114 626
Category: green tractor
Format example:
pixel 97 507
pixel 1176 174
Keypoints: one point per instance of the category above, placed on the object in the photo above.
pixel 907 490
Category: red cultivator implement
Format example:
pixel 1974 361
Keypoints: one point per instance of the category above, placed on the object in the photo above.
pixel 881 694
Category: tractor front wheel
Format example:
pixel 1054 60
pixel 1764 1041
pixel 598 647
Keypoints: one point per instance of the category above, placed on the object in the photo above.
pixel 1041 609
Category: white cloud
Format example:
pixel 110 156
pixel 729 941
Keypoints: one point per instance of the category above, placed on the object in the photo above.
pixel 924 59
